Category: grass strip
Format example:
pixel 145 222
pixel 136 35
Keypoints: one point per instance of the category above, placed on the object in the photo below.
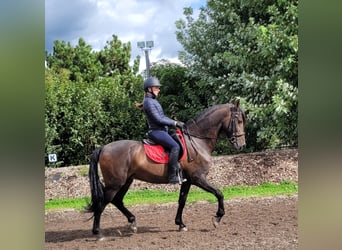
pixel 136 197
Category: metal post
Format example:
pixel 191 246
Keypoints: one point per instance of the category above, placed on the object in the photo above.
pixel 147 63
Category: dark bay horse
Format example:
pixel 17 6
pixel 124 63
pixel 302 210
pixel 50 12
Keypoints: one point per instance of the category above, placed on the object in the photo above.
pixel 123 161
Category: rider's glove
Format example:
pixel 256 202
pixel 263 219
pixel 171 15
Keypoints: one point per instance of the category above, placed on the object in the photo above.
pixel 180 124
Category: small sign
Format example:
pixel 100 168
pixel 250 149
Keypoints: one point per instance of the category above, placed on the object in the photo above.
pixel 52 157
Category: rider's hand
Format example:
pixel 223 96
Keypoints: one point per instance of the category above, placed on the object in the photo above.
pixel 180 124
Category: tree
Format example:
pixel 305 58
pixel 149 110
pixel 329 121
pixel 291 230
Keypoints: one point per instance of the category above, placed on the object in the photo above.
pixel 180 94
pixel 87 65
pixel 86 107
pixel 79 60
pixel 249 50
pixel 115 57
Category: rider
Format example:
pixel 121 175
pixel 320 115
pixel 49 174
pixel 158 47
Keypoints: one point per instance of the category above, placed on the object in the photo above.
pixel 158 126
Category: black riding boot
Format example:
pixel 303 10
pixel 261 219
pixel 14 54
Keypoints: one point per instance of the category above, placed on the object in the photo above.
pixel 173 167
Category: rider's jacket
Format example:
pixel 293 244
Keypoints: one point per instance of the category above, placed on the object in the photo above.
pixel 156 119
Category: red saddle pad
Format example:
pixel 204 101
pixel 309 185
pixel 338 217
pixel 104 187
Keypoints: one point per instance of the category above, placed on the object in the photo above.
pixel 157 153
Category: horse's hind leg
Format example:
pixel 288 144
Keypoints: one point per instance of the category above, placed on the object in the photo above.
pixel 118 202
pixel 108 195
pixel 96 223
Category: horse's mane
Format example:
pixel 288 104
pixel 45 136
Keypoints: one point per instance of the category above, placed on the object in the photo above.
pixel 206 114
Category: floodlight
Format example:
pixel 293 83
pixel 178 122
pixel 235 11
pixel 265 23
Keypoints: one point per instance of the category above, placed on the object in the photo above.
pixel 149 44
pixel 141 45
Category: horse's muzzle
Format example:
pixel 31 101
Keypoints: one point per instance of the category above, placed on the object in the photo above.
pixel 240 147
pixel 238 142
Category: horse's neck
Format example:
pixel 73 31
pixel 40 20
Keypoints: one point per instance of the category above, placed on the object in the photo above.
pixel 208 125
pixel 206 128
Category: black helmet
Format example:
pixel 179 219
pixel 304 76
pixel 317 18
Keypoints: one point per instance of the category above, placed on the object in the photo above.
pixel 151 82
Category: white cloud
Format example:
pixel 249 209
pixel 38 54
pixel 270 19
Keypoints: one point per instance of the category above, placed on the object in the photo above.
pixel 131 20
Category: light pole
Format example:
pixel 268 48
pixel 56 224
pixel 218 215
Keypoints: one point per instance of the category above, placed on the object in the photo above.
pixel 146 46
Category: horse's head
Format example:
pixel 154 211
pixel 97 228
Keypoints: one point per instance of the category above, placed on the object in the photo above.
pixel 236 126
pixel 222 118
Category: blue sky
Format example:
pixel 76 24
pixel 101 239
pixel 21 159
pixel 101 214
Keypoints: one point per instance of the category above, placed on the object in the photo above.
pixel 131 20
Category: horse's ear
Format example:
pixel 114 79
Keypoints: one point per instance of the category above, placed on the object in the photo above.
pixel 237 102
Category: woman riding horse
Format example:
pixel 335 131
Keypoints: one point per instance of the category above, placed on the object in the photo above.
pixel 123 161
pixel 158 126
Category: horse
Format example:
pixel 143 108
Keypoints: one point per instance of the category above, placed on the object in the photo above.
pixel 123 161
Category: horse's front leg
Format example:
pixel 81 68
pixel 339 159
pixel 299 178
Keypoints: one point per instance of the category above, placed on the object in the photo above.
pixel 183 195
pixel 205 185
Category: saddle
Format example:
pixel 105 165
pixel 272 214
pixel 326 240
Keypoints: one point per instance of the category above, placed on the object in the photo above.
pixel 158 154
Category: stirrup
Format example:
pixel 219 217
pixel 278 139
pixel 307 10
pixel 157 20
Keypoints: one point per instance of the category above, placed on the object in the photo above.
pixel 177 179
pixel 174 180
pixel 180 177
pixel 181 181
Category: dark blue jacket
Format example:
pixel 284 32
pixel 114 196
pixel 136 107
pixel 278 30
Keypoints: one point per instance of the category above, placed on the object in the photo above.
pixel 156 119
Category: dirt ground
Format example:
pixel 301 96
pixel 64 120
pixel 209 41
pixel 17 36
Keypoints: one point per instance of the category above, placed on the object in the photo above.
pixel 250 223
pixel 263 223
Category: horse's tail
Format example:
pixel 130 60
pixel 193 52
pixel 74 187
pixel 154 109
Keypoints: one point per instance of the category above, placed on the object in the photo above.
pixel 96 187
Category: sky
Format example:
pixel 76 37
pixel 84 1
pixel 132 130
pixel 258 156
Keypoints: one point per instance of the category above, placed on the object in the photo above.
pixel 131 20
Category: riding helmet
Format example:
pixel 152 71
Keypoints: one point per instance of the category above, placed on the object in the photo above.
pixel 151 82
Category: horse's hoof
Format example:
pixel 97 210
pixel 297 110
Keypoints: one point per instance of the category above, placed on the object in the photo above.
pixel 183 229
pixel 100 237
pixel 216 221
pixel 133 227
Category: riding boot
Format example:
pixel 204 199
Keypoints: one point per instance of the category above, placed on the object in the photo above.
pixel 173 167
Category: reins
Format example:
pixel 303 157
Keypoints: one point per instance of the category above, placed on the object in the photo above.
pixel 186 132
pixel 190 137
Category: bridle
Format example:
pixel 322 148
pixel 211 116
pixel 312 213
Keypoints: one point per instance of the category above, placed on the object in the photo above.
pixel 232 127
